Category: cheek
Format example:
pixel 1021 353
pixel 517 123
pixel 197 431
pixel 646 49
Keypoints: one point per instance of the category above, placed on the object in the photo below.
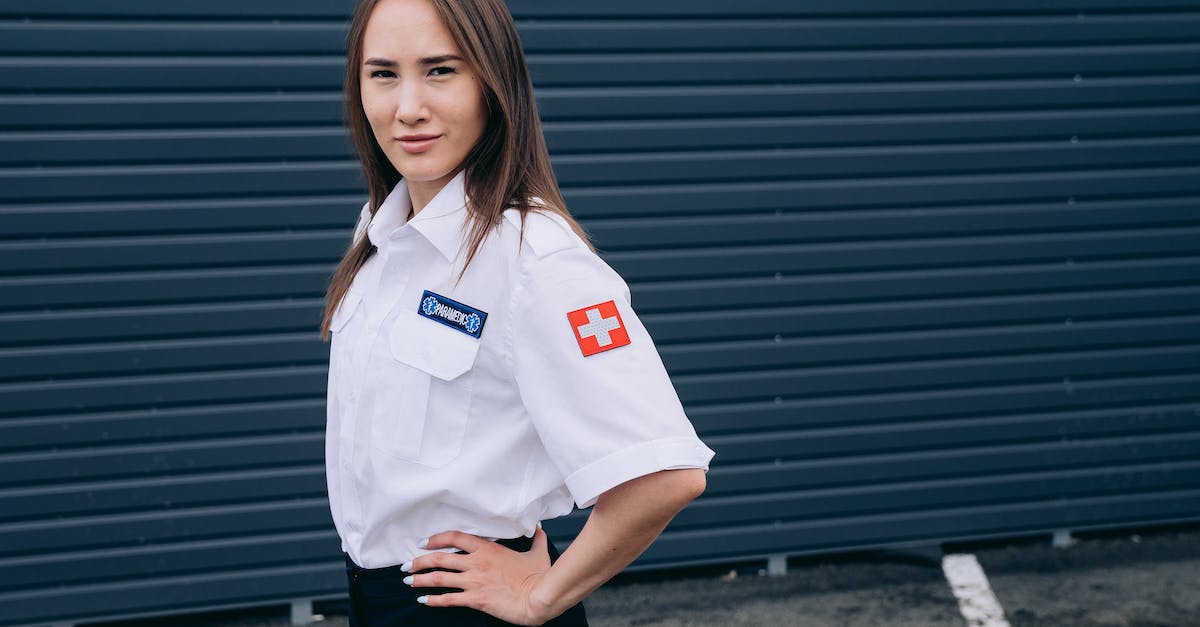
pixel 372 109
pixel 472 117
pixel 379 125
pixel 464 104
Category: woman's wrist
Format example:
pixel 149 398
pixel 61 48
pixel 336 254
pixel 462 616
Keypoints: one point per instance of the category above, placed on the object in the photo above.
pixel 544 603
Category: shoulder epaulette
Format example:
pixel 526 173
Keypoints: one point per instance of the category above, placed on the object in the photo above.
pixel 545 231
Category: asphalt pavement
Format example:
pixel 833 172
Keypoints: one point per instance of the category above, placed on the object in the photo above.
pixel 1128 578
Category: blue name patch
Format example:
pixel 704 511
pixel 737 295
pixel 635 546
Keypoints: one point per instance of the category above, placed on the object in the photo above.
pixel 452 313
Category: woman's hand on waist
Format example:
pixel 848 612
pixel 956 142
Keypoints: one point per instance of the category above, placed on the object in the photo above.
pixel 493 578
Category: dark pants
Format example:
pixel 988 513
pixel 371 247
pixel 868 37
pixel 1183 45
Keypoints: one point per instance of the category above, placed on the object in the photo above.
pixel 380 598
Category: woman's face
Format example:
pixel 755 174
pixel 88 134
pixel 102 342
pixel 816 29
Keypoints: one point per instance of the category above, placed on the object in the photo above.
pixel 424 104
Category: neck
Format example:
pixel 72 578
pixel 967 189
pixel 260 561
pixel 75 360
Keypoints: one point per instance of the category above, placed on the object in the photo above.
pixel 420 193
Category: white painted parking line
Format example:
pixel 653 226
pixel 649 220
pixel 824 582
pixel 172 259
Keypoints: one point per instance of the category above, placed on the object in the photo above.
pixel 970 586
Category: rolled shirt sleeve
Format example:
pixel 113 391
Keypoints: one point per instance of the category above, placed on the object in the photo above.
pixel 608 417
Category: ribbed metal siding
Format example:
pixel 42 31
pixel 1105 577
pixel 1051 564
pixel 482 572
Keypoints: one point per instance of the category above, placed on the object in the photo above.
pixel 919 272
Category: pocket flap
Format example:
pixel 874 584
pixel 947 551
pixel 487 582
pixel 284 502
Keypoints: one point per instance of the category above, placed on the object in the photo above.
pixel 431 347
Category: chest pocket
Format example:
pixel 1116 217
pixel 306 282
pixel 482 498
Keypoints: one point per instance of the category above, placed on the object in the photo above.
pixel 422 411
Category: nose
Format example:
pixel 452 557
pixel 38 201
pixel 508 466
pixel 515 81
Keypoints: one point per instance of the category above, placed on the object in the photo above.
pixel 410 103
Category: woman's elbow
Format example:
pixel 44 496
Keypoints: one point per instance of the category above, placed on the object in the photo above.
pixel 694 480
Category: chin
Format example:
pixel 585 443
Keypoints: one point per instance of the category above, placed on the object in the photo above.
pixel 424 175
pixel 424 171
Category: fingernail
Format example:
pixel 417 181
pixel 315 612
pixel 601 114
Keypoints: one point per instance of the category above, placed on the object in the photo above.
pixel 406 567
pixel 423 542
pixel 422 599
pixel 408 580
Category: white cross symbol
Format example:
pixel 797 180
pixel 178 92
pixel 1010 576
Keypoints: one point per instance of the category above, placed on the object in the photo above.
pixel 598 327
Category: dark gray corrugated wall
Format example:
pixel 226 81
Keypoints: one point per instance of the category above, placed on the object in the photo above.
pixel 921 271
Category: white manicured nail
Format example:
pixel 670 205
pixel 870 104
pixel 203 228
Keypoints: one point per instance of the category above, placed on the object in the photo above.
pixel 406 567
pixel 408 580
pixel 422 599
pixel 423 542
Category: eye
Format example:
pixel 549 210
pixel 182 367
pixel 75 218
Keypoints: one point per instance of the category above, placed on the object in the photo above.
pixel 437 71
pixel 382 74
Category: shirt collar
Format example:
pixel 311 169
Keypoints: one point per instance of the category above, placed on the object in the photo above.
pixel 442 221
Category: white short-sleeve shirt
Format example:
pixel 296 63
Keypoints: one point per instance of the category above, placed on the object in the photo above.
pixel 490 403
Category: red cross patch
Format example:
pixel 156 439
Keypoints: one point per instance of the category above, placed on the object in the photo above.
pixel 598 328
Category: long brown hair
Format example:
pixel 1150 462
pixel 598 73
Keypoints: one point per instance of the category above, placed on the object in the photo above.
pixel 510 164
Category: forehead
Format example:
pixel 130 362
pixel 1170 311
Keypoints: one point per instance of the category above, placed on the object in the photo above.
pixel 403 30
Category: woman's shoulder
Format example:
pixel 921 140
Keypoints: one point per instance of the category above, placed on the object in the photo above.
pixel 549 252
pixel 543 230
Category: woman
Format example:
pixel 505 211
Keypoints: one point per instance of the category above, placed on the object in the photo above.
pixel 486 370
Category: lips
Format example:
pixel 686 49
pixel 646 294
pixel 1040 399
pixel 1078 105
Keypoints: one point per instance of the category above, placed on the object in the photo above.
pixel 417 143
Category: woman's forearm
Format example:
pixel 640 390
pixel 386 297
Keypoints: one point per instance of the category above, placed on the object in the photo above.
pixel 623 523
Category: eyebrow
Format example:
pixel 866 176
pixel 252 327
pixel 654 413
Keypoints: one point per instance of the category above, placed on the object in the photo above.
pixel 442 58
